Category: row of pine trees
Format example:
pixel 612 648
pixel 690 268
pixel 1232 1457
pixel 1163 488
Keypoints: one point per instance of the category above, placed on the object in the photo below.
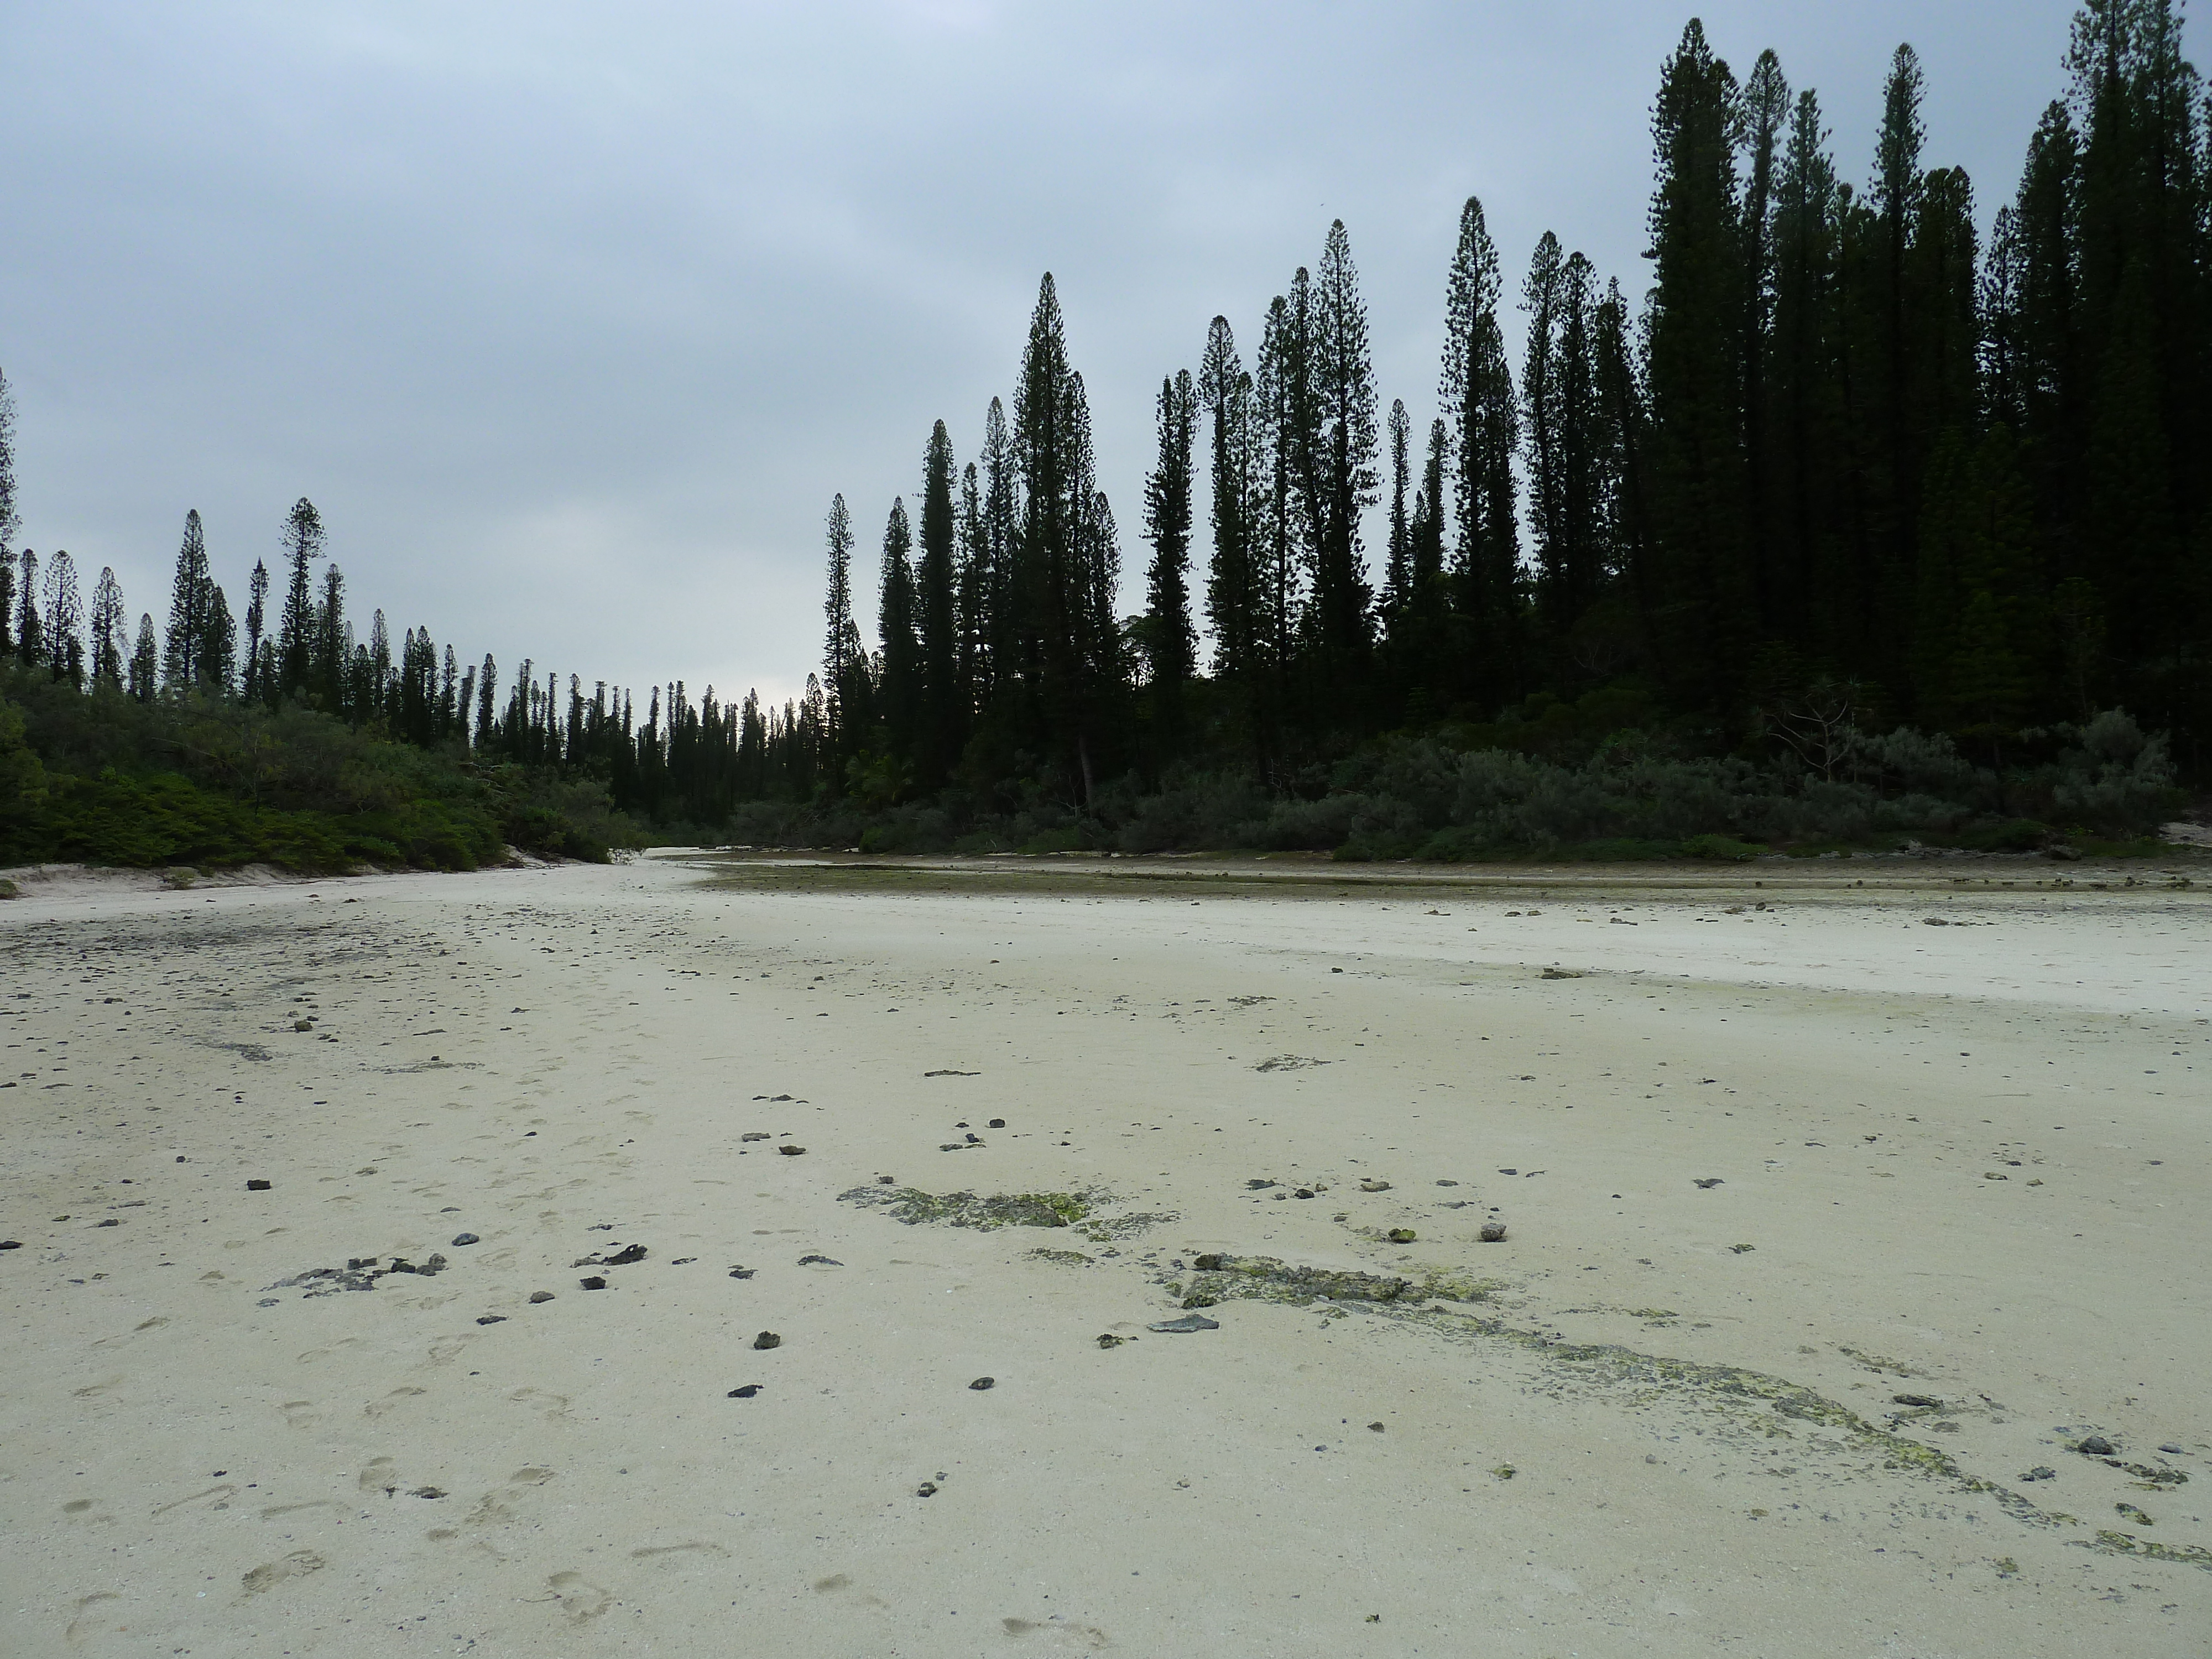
pixel 1846 458
pixel 1843 454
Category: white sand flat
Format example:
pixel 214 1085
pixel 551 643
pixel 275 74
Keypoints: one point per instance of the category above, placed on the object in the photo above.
pixel 1965 1163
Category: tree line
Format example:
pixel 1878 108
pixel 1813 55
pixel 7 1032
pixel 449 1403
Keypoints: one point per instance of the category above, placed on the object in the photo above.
pixel 1846 459
pixel 1847 464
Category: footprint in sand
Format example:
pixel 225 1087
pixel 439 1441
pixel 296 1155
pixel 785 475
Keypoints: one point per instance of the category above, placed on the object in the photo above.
pixel 299 1413
pixel 1055 1635
pixel 837 1581
pixel 80 1627
pixel 298 1565
pixel 581 1599
pixel 377 1476
pixel 554 1406
pixel 666 1552
pixel 392 1401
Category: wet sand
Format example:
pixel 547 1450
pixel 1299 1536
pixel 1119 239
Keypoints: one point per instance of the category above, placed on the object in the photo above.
pixel 1767 1177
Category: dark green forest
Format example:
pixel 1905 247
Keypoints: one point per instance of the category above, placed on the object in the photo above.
pixel 1861 526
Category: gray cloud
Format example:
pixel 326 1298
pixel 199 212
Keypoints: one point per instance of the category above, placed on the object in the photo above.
pixel 571 319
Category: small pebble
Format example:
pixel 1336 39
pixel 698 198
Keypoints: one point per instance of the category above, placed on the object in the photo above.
pixel 1493 1232
pixel 491 1319
pixel 743 1273
pixel 256 1186
pixel 2095 1446
pixel 2174 1451
pixel 428 1491
pixel 746 1393
pixel 1400 1235
pixel 926 1489
pixel 792 1152
pixel 996 1123
pixel 537 1296
pixel 594 1283
pixel 983 1382
pixel 1377 1427
pixel 466 1238
pixel 1108 1339
pixel 1918 1400
pixel 819 1261
pixel 768 1339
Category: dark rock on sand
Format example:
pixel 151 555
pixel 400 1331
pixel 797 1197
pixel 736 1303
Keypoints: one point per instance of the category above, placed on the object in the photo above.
pixel 1493 1232
pixel 466 1238
pixel 1709 1181
pixel 1927 1400
pixel 1108 1339
pixel 926 1489
pixel 1400 1235
pixel 256 1186
pixel 768 1339
pixel 983 1382
pixel 746 1393
pixel 1188 1323
pixel 11 1243
pixel 2096 1445
pixel 625 1256
pixel 792 1152
pixel 996 1123
pixel 594 1283
pixel 819 1261
pixel 428 1491
pixel 536 1297
pixel 2040 1473
pixel 757 1134
pixel 491 1319
pixel 743 1273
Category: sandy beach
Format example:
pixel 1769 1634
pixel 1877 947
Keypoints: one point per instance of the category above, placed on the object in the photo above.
pixel 1851 1298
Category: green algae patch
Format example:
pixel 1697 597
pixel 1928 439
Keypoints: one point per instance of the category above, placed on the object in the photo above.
pixel 2122 1543
pixel 1262 1278
pixel 914 1207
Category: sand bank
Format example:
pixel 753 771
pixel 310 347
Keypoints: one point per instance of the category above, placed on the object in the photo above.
pixel 1824 1228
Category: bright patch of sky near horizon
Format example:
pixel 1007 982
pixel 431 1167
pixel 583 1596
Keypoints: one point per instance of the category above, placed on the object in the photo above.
pixel 571 320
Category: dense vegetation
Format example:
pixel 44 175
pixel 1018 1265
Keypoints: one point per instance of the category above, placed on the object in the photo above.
pixel 1860 528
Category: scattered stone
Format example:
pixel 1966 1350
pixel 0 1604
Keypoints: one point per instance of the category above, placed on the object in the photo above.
pixel 792 1152
pixel 2172 1451
pixel 11 1243
pixel 1304 1191
pixel 1377 1427
pixel 1511 1172
pixel 537 1296
pixel 1926 1400
pixel 1561 973
pixel 1108 1339
pixel 1399 1234
pixel 952 1146
pixel 428 1491
pixel 1934 921
pixel 1994 1174
pixel 757 1134
pixel 886 1181
pixel 1258 1186
pixel 256 1186
pixel 2096 1445
pixel 819 1261
pixel 926 1489
pixel 1493 1232
pixel 466 1238
pixel 746 1393
pixel 2040 1473
pixel 1447 1183
pixel 1708 1181
pixel 683 1262
pixel 491 1319
pixel 951 1074
pixel 982 1382
pixel 1376 1186
pixel 112 1221
pixel 743 1273
pixel 768 1339
pixel 1188 1323
pixel 996 1123
pixel 266 1302
pixel 624 1257
pixel 596 1282
pixel 1742 1249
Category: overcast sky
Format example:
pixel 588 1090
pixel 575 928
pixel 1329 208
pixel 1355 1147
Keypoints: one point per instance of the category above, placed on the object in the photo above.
pixel 571 319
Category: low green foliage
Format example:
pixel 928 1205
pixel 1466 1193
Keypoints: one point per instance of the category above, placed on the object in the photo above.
pixel 209 784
